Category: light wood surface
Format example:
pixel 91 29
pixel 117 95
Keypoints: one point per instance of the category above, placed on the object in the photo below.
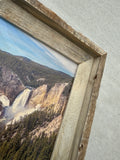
pixel 67 133
pixel 44 25
pixel 50 18
pixel 28 23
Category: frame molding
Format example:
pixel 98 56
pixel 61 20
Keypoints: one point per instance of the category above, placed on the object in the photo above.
pixel 50 18
pixel 75 129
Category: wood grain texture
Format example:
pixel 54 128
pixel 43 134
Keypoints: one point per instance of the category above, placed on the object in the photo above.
pixel 51 19
pixel 85 108
pixel 64 143
pixel 28 23
pixel 44 25
pixel 91 110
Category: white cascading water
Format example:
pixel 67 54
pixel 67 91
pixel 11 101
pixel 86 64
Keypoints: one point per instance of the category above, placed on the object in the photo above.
pixel 18 110
pixel 5 101
pixel 20 101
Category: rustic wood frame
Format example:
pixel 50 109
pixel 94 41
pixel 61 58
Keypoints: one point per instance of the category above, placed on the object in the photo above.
pixel 41 23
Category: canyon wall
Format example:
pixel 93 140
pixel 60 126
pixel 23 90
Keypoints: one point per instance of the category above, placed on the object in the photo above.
pixel 10 83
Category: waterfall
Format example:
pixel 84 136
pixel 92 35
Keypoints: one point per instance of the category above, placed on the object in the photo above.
pixel 18 110
pixel 21 100
pixel 5 101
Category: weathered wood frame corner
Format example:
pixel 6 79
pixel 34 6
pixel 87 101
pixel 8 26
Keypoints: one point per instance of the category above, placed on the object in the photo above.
pixel 43 24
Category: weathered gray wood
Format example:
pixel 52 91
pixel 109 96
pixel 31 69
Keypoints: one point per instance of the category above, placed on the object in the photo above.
pixel 47 27
pixel 85 109
pixel 50 18
pixel 18 16
pixel 91 110
pixel 63 147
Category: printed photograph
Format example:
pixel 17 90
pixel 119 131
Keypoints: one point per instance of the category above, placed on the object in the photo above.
pixel 35 84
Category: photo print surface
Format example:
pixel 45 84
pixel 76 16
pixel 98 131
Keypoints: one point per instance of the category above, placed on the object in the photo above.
pixel 35 83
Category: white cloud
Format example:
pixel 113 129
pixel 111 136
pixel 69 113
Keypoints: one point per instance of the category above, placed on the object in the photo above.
pixel 66 63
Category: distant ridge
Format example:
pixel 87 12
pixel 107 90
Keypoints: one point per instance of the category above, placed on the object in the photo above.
pixel 23 58
pixel 31 72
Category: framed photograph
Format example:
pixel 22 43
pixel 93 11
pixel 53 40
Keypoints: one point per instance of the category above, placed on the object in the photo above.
pixel 49 81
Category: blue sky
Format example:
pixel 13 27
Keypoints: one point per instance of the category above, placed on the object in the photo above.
pixel 16 42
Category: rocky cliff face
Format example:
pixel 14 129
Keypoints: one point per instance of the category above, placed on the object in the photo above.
pixel 10 84
pixel 38 97
pixel 54 98
pixel 54 102
pixel 51 100
pixel 32 103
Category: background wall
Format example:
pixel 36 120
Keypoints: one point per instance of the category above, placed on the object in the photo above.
pixel 99 20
